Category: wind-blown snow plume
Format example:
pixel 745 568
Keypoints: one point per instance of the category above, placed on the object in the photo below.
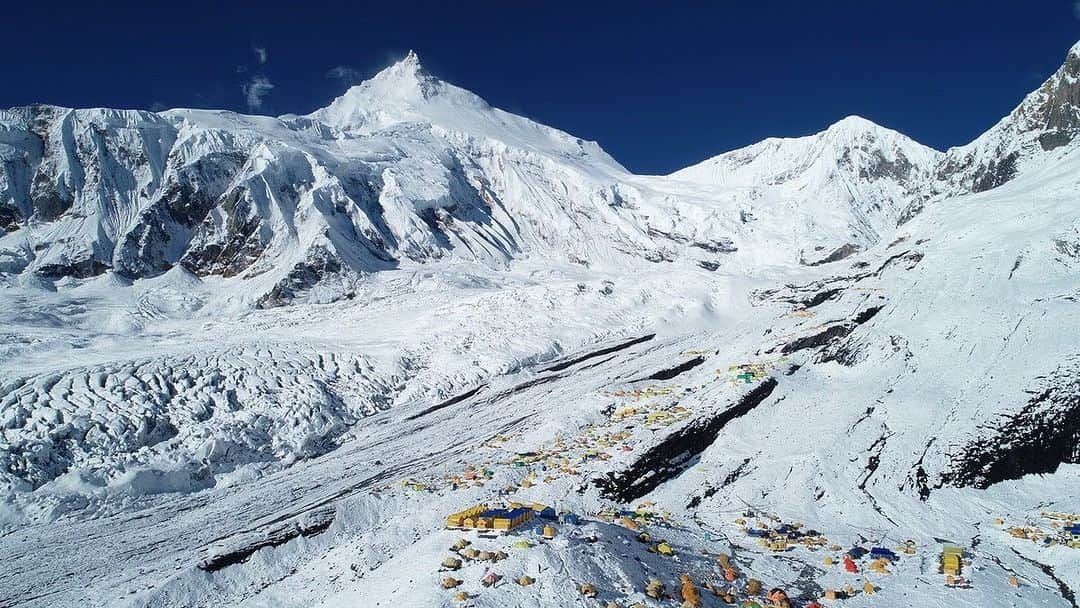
pixel 255 90
pixel 344 73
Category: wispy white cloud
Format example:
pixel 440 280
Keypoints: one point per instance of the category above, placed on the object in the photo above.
pixel 344 73
pixel 255 89
pixel 260 54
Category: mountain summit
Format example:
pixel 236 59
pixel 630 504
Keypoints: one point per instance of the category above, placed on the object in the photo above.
pixel 1046 122
pixel 401 92
pixel 405 167
pixel 855 172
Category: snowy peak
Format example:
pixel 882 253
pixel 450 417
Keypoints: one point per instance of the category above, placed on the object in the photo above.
pixel 856 132
pixel 403 92
pixel 831 148
pixel 855 177
pixel 407 79
pixel 853 124
pixel 407 94
pixel 1047 121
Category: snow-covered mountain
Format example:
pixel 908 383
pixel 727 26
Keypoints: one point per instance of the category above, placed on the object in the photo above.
pixel 848 330
pixel 852 180
pixel 406 168
pixel 1043 127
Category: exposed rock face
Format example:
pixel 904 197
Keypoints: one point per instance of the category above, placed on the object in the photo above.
pixel 1046 120
pixel 1059 111
pixel 304 275
pixel 228 244
pixel 80 268
pixel 155 242
pixel 844 251
pixel 9 218
pixel 1040 437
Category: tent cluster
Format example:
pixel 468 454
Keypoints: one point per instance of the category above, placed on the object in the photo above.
pixel 777 536
pixel 653 407
pixel 649 392
pixel 800 313
pixel 749 373
pixel 414 485
pixel 848 591
pixel 505 518
pixel 464 549
pixel 752 593
pixel 563 457
pixel 687 591
pixel 650 415
pixel 1063 529
pixel 644 514
pixel 463 552
pixel 471 476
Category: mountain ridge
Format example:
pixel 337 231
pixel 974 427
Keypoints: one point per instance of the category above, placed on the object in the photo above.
pixel 399 168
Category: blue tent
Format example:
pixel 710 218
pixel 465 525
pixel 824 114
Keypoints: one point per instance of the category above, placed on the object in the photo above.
pixel 878 552
pixel 857 552
pixel 507 513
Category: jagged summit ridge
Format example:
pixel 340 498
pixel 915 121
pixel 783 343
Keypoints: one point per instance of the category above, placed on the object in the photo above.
pixel 1047 121
pixel 401 92
pixel 405 93
pixel 406 167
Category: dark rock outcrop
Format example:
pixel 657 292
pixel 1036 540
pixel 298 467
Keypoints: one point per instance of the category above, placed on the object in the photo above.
pixel 1041 436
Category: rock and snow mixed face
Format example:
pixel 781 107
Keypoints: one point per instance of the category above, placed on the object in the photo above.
pixel 405 168
pixel 851 182
pixel 1040 129
pixel 228 338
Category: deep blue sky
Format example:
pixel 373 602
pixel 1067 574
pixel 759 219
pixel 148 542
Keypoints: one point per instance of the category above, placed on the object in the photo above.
pixel 659 85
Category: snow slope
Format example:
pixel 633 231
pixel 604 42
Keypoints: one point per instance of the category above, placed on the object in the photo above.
pixel 466 288
pixel 852 180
